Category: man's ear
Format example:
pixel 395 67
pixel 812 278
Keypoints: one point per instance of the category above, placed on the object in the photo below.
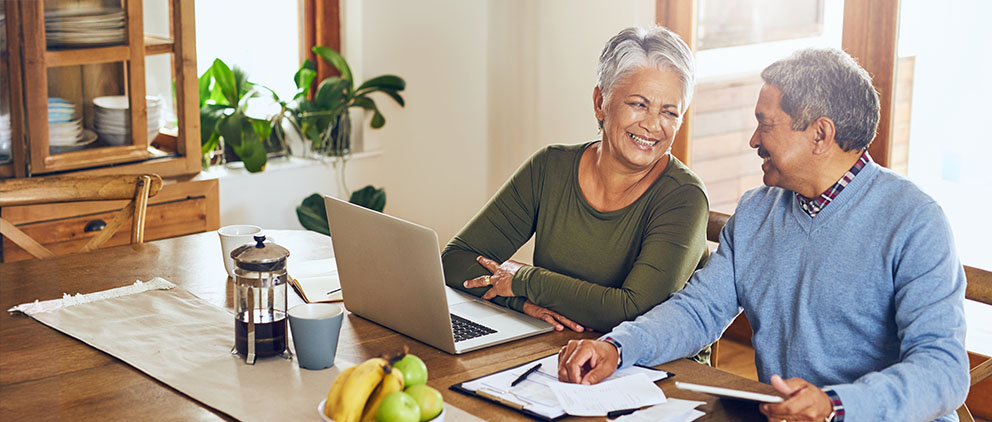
pixel 597 104
pixel 824 134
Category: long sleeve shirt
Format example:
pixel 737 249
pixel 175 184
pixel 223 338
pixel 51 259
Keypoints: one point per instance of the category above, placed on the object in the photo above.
pixel 597 268
pixel 866 299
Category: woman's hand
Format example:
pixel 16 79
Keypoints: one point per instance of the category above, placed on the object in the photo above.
pixel 501 280
pixel 551 317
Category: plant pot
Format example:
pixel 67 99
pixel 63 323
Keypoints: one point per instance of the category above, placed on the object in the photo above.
pixel 336 140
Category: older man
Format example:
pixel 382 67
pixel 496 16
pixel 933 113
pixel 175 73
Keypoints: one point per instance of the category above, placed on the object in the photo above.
pixel 847 271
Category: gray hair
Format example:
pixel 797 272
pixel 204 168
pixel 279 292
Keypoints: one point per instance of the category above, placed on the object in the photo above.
pixel 818 82
pixel 638 47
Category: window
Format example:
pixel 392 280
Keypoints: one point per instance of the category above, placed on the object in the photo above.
pixel 728 80
pixel 940 140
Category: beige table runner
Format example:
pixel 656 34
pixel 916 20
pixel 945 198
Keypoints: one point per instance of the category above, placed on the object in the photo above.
pixel 185 342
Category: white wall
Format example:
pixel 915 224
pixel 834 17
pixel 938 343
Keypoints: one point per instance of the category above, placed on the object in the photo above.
pixel 488 83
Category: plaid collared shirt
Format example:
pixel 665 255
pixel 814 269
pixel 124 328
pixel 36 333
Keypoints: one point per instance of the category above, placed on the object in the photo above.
pixel 813 206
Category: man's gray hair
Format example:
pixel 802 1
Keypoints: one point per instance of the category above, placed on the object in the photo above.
pixel 639 47
pixel 818 82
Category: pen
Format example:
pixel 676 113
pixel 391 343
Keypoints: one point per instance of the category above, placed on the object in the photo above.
pixel 613 414
pixel 525 374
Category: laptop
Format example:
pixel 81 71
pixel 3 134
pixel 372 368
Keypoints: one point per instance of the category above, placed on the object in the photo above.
pixel 390 273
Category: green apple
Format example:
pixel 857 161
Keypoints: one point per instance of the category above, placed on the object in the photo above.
pixel 414 370
pixel 398 407
pixel 429 400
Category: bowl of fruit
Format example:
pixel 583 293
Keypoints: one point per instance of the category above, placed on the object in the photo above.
pixel 384 390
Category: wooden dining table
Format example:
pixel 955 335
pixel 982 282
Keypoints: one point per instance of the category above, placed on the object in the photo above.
pixel 47 375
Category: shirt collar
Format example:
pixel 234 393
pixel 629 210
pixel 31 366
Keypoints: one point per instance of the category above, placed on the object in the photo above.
pixel 813 206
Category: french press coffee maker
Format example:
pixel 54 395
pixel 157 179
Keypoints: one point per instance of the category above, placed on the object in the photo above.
pixel 259 299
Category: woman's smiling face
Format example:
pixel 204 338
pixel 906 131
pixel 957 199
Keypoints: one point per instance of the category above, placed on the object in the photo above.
pixel 641 116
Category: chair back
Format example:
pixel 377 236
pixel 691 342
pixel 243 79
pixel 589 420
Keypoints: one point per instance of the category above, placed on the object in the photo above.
pixel 58 189
pixel 713 227
pixel 979 289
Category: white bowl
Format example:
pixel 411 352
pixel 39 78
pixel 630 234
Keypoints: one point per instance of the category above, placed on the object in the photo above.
pixel 88 138
pixel 115 139
pixel 320 410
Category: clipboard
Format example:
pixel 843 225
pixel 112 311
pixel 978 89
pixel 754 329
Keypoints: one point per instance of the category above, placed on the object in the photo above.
pixel 533 397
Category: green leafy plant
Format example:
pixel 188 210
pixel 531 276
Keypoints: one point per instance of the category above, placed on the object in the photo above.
pixel 323 116
pixel 313 215
pixel 224 95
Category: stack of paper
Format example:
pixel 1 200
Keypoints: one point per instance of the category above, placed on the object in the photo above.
pixel 543 396
pixel 673 410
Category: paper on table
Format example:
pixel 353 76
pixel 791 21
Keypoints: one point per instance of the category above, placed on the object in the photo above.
pixel 690 416
pixel 534 393
pixel 317 281
pixel 596 400
pixel 673 410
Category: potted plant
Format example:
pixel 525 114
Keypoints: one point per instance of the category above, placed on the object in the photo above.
pixel 224 121
pixel 323 119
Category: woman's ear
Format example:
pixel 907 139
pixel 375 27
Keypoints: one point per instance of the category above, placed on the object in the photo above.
pixel 597 104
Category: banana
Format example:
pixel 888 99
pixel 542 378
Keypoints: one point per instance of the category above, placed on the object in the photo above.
pixel 357 389
pixel 336 388
pixel 391 383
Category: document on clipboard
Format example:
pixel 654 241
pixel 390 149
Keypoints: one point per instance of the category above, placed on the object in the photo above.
pixel 316 281
pixel 536 396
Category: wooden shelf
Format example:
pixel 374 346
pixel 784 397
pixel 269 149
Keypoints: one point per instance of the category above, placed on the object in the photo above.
pixel 77 56
pixel 158 45
pixel 81 74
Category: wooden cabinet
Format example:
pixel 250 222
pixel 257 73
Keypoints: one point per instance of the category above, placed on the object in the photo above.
pixel 33 69
pixel 80 74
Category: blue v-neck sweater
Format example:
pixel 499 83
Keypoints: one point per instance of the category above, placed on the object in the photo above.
pixel 866 298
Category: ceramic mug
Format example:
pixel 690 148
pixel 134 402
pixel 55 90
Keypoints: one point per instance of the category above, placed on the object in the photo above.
pixel 315 328
pixel 233 236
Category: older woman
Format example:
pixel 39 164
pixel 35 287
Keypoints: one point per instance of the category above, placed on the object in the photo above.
pixel 619 222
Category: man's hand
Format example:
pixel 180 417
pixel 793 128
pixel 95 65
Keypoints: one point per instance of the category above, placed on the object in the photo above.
pixel 804 402
pixel 587 361
pixel 551 317
pixel 501 280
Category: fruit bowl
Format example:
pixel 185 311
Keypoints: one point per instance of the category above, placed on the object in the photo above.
pixel 320 410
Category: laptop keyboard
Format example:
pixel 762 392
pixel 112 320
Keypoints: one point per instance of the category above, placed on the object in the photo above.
pixel 465 329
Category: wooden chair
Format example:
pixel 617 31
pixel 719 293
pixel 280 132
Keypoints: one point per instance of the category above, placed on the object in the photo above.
pixel 980 290
pixel 57 189
pixel 713 227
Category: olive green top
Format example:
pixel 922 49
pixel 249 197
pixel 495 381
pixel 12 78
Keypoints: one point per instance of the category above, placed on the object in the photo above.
pixel 597 268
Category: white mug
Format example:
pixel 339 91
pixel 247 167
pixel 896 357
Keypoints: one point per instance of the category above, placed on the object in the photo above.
pixel 233 236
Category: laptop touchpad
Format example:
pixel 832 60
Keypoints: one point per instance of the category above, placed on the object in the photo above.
pixel 474 310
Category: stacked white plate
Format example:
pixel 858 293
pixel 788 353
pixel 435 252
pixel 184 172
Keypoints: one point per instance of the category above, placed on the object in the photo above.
pixel 85 27
pixel 112 119
pixel 65 127
pixel 4 137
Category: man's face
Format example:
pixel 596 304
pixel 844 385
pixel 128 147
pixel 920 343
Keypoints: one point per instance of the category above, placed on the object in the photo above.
pixel 787 153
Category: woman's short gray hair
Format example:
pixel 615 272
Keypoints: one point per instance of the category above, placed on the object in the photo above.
pixel 639 47
pixel 818 82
